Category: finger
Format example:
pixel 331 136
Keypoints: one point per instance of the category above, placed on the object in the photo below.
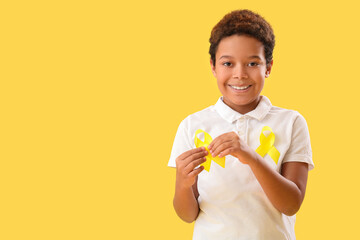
pixel 190 152
pixel 194 157
pixel 213 142
pixel 227 151
pixel 220 148
pixel 218 140
pixel 182 163
pixel 192 165
pixel 196 172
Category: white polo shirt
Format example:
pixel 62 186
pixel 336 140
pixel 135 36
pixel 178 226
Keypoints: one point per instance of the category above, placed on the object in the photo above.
pixel 232 202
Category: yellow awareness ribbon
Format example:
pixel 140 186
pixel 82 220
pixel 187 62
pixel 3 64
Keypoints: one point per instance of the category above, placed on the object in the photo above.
pixel 267 145
pixel 205 143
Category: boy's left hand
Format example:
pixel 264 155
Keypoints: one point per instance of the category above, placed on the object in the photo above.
pixel 231 144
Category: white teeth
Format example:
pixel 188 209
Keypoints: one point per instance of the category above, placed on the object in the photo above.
pixel 240 88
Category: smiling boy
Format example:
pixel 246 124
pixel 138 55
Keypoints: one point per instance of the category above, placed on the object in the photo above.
pixel 261 187
pixel 240 70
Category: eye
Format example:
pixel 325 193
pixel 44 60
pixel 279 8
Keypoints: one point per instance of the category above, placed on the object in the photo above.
pixel 227 64
pixel 253 64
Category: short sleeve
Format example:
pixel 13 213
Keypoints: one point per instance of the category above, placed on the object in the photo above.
pixel 300 146
pixel 182 143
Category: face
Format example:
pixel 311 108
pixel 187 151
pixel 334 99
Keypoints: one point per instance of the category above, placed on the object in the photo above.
pixel 240 71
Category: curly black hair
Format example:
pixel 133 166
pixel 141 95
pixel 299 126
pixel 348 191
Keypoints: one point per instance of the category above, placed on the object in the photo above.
pixel 243 22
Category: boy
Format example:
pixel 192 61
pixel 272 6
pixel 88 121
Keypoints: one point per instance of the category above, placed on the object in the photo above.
pixel 267 149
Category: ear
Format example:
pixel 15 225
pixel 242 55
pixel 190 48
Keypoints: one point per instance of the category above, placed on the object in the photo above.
pixel 212 68
pixel 268 68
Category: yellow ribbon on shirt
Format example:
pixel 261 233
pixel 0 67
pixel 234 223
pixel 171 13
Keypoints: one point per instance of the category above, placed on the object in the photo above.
pixel 267 145
pixel 205 143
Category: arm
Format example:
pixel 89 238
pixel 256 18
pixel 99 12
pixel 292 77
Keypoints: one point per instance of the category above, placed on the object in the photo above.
pixel 186 194
pixel 285 191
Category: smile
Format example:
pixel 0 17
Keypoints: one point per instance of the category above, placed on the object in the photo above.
pixel 240 88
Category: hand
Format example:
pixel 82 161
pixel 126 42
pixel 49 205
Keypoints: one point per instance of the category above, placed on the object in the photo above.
pixel 186 164
pixel 231 144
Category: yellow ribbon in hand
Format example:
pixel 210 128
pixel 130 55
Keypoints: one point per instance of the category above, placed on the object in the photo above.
pixel 205 143
pixel 267 145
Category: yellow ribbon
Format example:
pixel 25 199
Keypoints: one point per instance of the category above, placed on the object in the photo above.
pixel 267 145
pixel 205 143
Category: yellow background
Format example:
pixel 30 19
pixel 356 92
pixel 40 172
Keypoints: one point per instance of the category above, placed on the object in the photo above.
pixel 92 93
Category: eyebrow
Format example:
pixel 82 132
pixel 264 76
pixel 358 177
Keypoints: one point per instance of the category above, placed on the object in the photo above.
pixel 255 56
pixel 227 56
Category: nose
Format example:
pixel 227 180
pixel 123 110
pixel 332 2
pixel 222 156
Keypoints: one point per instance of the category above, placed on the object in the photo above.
pixel 239 72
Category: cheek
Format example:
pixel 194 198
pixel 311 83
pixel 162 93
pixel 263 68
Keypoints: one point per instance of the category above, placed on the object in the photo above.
pixel 223 75
pixel 258 74
pixel 221 85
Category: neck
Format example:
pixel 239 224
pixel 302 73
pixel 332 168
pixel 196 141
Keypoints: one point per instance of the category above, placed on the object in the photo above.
pixel 243 109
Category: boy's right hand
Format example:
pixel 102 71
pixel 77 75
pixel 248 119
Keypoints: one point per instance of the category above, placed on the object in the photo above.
pixel 186 164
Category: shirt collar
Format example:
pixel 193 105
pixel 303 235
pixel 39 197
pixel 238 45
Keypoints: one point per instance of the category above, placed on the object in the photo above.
pixel 231 115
